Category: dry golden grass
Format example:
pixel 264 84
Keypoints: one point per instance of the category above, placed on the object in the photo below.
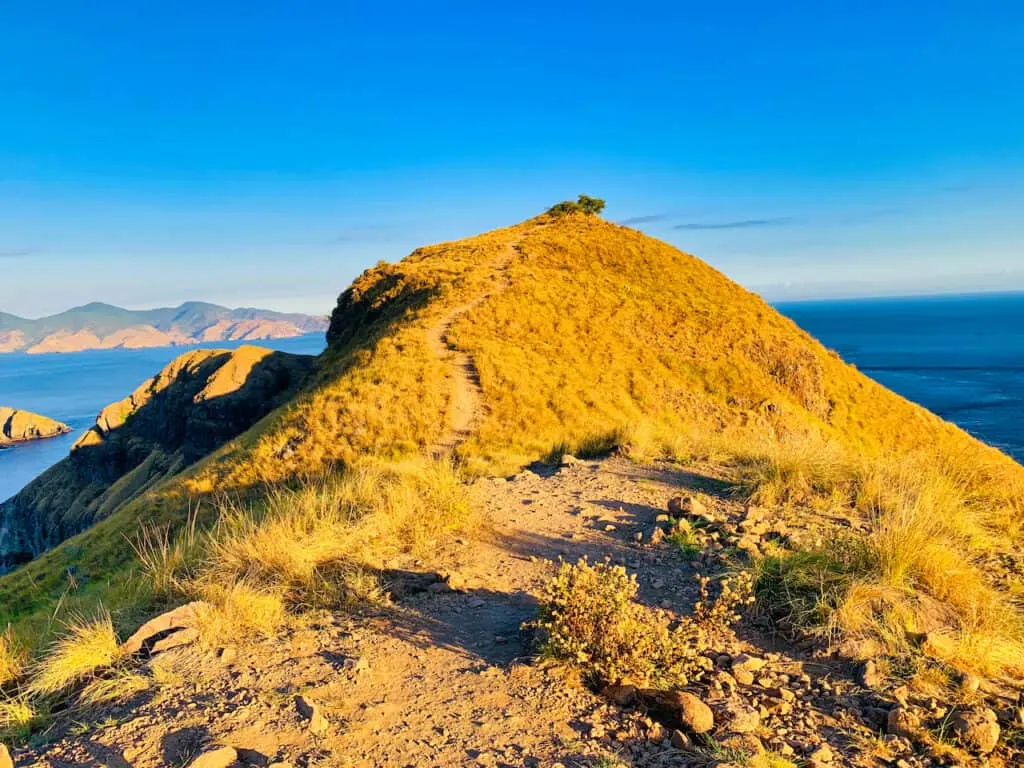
pixel 13 658
pixel 88 646
pixel 320 545
pixel 16 716
pixel 586 336
pixel 934 522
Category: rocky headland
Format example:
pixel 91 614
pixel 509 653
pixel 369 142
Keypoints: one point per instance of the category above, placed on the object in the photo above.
pixel 18 426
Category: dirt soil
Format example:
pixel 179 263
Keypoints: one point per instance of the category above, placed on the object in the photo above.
pixel 443 675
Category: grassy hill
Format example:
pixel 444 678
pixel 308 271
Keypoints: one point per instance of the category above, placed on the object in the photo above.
pixel 587 337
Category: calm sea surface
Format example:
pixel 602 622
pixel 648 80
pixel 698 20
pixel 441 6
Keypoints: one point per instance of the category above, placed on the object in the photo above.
pixel 73 388
pixel 959 356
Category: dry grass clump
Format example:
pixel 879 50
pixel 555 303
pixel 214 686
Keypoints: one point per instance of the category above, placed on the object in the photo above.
pixel 17 716
pixel 590 618
pixel 166 555
pixel 919 572
pixel 13 658
pixel 88 646
pixel 804 470
pixel 315 546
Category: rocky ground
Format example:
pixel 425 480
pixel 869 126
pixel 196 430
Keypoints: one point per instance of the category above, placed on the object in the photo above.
pixel 443 675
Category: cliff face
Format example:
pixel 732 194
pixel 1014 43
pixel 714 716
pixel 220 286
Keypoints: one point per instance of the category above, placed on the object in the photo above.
pixel 193 406
pixel 100 326
pixel 20 426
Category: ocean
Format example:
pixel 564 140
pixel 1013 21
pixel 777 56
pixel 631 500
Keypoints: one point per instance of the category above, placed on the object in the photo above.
pixel 73 388
pixel 961 357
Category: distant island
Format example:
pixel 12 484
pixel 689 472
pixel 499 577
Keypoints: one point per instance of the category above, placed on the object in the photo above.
pixel 21 426
pixel 103 326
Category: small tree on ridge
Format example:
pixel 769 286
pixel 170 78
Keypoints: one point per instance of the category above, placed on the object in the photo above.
pixel 589 206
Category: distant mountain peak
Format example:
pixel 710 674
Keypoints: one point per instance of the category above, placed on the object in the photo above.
pixel 98 325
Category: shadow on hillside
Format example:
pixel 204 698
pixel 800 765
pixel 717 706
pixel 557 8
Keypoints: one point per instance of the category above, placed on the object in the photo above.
pixel 203 407
pixel 676 477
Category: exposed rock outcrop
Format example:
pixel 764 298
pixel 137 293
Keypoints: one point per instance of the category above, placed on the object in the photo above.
pixel 193 406
pixel 21 426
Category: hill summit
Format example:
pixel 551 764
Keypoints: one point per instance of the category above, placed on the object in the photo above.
pixel 647 410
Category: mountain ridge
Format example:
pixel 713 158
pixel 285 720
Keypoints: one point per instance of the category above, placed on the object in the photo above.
pixel 98 325
pixel 565 347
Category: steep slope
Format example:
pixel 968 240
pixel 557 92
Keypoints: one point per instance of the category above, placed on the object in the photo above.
pixel 20 426
pixel 102 326
pixel 193 406
pixel 574 334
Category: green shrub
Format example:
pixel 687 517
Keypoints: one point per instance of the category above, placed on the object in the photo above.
pixel 588 206
pixel 591 619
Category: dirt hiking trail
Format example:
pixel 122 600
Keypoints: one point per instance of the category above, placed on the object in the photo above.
pixel 466 406
pixel 441 675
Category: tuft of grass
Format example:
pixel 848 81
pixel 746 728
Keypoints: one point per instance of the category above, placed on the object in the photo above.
pixel 17 717
pixel 917 570
pixel 685 538
pixel 167 557
pixel 119 684
pixel 13 658
pixel 795 471
pixel 88 646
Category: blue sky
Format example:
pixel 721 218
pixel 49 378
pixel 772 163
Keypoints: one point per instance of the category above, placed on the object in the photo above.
pixel 264 153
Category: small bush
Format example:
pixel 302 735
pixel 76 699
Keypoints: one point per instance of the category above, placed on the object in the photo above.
pixel 591 619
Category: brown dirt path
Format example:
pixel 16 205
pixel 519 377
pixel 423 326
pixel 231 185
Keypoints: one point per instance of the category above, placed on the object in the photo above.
pixel 466 406
pixel 442 676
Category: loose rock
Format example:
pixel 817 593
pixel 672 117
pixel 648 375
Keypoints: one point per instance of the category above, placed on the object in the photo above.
pixel 215 758
pixel 902 722
pixel 694 713
pixel 310 710
pixel 977 729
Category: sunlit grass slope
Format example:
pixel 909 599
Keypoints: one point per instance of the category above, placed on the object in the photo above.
pixel 588 334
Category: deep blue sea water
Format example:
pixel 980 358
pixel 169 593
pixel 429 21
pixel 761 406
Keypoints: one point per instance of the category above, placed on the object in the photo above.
pixel 961 357
pixel 73 388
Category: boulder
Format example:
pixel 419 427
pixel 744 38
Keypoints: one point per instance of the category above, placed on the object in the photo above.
pixel 157 629
pixel 740 718
pixel 175 640
pixel 686 506
pixel 679 706
pixel 869 675
pixel 977 729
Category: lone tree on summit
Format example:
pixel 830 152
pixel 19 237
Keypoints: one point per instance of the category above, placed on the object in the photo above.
pixel 589 206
